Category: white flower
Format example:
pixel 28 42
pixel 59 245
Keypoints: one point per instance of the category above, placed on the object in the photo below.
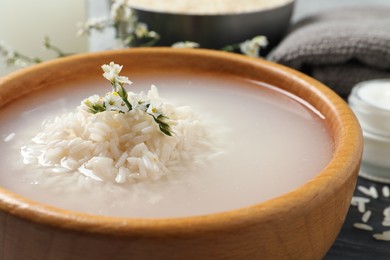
pixel 141 30
pixel 155 108
pixel 252 47
pixel 120 11
pixel 153 93
pixel 5 49
pixel 114 102
pixel 139 101
pixel 98 24
pixel 153 34
pixel 123 80
pixel 96 99
pixel 93 104
pixel 18 62
pixel 11 57
pixel 186 44
pixel 111 72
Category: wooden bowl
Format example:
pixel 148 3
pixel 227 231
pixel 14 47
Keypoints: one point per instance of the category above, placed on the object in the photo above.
pixel 301 224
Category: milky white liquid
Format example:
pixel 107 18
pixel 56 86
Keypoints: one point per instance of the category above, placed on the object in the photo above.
pixel 273 145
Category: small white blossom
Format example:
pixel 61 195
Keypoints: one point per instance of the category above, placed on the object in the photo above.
pixel 120 11
pixel 96 99
pixel 153 34
pixel 153 93
pixel 141 30
pixel 93 103
pixel 155 108
pixel 139 101
pixel 111 72
pixel 11 57
pixel 17 62
pixel 128 30
pixel 113 102
pixel 123 80
pixel 252 47
pixel 98 24
pixel 186 44
pixel 5 49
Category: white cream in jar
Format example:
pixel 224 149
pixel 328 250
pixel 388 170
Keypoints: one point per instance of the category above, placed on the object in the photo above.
pixel 370 100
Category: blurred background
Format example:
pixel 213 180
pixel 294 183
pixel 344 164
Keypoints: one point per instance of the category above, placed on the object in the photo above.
pixel 24 23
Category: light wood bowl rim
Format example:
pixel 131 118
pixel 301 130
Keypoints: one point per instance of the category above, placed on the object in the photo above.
pixel 346 156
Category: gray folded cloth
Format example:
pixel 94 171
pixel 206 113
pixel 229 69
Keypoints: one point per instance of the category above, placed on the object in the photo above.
pixel 339 48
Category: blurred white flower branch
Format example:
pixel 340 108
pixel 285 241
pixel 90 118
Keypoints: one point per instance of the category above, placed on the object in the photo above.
pixel 17 59
pixel 129 32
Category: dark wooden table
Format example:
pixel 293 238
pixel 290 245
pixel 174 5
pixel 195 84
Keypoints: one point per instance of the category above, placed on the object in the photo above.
pixel 353 243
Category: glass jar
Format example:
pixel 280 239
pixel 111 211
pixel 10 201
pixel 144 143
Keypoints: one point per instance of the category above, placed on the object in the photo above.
pixel 370 100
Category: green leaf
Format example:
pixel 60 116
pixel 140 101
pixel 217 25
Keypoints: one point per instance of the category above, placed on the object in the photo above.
pixel 164 127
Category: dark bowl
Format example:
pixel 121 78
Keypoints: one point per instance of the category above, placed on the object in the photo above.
pixel 215 31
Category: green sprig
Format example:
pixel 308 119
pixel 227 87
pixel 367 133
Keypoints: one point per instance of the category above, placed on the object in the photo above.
pixel 96 105
pixel 164 127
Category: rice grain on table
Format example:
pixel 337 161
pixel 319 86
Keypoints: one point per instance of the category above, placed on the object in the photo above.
pixel 357 200
pixel 363 226
pixel 385 191
pixel 366 216
pixel 386 217
pixel 385 236
pixel 372 191
pixel 360 202
pixel 386 212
